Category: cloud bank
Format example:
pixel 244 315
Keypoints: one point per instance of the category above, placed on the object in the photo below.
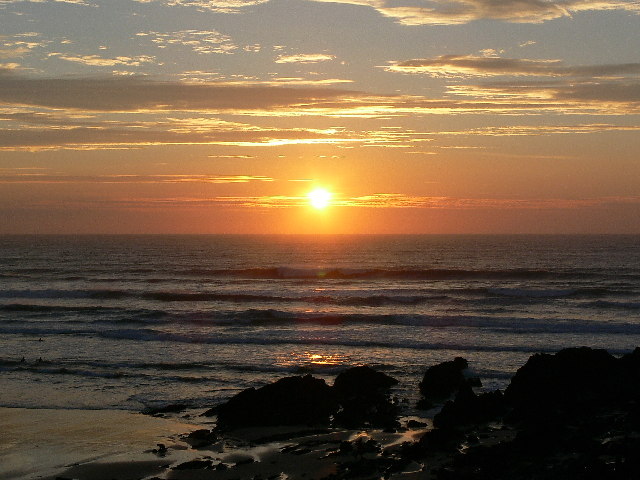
pixel 456 12
pixel 452 66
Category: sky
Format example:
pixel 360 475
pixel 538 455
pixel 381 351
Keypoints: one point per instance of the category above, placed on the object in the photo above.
pixel 417 116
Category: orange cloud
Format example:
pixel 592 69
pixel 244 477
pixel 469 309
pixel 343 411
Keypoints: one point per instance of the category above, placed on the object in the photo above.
pixel 98 61
pixel 451 66
pixel 43 178
pixel 456 12
pixel 379 200
pixel 305 58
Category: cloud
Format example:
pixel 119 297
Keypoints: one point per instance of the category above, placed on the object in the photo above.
pixel 430 12
pixel 236 79
pixel 220 6
pixel 43 178
pixel 21 129
pixel 20 44
pixel 615 97
pixel 132 94
pixel 88 138
pixel 75 2
pixel 455 12
pixel 388 200
pixel 533 130
pixel 374 201
pixel 143 95
pixel 451 66
pixel 98 61
pixel 9 66
pixel 13 52
pixel 305 58
pixel 200 41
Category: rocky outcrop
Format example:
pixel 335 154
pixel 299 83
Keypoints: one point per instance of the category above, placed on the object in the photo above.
pixel 572 382
pixel 469 409
pixel 358 381
pixel 442 381
pixel 359 397
pixel 364 396
pixel 572 415
pixel 288 401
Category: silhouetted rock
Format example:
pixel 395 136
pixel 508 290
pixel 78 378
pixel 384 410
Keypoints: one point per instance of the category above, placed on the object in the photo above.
pixel 577 413
pixel 194 465
pixel 441 381
pixel 171 408
pixel 288 401
pixel 201 438
pixel 358 381
pixel 364 395
pixel 630 369
pixel 469 408
pixel 433 442
pixel 568 382
pixel 412 424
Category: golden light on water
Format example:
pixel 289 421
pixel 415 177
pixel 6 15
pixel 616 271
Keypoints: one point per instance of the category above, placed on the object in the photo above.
pixel 311 359
pixel 319 198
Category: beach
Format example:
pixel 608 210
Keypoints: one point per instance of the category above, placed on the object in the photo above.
pixel 38 442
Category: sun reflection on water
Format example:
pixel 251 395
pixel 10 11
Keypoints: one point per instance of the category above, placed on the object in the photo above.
pixel 310 360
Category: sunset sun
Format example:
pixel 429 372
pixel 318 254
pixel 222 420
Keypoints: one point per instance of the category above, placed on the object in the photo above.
pixel 319 198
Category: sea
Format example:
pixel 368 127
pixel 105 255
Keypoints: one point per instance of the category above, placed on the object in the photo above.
pixel 139 322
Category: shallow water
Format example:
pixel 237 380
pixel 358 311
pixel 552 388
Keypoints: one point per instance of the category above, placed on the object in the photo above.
pixel 124 322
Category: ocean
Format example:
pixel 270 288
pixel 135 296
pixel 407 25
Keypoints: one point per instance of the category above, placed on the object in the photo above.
pixel 131 322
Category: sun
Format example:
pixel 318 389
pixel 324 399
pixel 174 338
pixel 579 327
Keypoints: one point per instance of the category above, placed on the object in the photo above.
pixel 319 198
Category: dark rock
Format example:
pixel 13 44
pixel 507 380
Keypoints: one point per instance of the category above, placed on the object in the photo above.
pixel 161 451
pixel 630 370
pixel 360 446
pixel 435 441
pixel 364 396
pixel 424 404
pixel 288 401
pixel 171 408
pixel 345 447
pixel 577 419
pixel 194 465
pixel 444 379
pixel 300 451
pixel 569 382
pixel 474 382
pixel 201 438
pixel 358 381
pixel 416 424
pixel 469 409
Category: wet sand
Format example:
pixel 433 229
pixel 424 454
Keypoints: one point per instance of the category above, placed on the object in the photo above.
pixel 41 442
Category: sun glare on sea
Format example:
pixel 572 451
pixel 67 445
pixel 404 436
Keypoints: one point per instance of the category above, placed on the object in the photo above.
pixel 319 198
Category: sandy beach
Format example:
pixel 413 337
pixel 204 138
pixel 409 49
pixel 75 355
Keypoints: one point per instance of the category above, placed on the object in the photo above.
pixel 40 442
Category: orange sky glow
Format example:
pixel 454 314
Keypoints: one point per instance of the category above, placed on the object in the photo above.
pixel 208 116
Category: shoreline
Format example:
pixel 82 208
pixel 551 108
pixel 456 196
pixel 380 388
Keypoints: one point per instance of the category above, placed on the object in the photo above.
pixel 571 415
